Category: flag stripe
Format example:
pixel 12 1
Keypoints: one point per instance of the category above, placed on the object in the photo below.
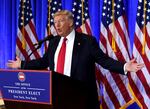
pixel 137 92
pixel 117 49
pixel 30 43
pixel 145 70
pixel 87 26
pixel 139 73
pixel 79 30
pixel 110 91
pixel 19 46
pixel 148 35
pixel 143 57
pixel 122 32
pixel 122 47
pixel 32 27
pixel 147 40
pixel 104 105
pixel 103 44
pixel 143 80
pixel 27 49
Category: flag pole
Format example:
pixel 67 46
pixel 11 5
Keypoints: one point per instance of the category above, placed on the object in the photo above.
pixel 113 27
pixel 144 29
pixel 22 29
pixel 134 97
pixel 83 29
pixel 49 18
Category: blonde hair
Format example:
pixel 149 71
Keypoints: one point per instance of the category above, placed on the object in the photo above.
pixel 64 12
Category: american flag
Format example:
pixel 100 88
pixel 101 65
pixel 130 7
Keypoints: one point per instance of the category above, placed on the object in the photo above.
pixel 26 35
pixel 82 24
pixel 140 81
pixel 114 41
pixel 52 7
pixel 81 16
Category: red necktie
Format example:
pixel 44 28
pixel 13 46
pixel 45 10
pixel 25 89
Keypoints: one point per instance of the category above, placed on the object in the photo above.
pixel 61 57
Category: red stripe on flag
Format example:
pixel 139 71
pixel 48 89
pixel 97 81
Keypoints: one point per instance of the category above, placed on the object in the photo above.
pixel 119 54
pixel 88 28
pixel 79 30
pixel 121 86
pixel 104 105
pixel 144 82
pixel 32 27
pixel 139 46
pixel 147 38
pixel 122 35
pixel 110 91
pixel 140 73
pixel 115 76
pixel 126 22
pixel 137 92
pixel 30 43
pixel 19 45
pixel 104 42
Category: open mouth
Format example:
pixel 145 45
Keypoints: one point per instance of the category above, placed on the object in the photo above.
pixel 58 30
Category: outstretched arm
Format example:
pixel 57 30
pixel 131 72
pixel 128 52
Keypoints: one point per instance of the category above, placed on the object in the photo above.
pixel 111 64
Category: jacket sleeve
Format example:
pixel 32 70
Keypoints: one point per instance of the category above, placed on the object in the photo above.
pixel 102 59
pixel 37 64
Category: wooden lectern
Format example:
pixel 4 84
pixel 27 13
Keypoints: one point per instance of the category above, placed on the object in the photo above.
pixel 66 94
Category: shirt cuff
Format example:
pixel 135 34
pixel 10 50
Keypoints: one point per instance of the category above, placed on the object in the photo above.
pixel 125 72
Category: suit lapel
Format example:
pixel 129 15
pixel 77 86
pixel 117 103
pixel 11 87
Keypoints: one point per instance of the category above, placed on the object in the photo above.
pixel 76 52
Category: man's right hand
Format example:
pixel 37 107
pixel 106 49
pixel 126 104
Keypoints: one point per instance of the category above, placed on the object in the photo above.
pixel 14 64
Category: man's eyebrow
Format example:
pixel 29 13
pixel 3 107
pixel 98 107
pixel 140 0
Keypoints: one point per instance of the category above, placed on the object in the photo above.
pixel 60 19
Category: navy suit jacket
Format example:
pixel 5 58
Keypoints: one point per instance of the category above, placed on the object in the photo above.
pixel 86 53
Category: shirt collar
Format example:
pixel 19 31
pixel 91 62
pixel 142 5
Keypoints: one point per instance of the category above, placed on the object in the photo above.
pixel 71 35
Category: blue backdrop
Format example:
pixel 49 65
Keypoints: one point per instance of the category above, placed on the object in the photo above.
pixel 9 16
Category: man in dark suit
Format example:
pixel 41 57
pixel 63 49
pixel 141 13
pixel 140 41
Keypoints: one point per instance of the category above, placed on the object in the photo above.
pixel 81 54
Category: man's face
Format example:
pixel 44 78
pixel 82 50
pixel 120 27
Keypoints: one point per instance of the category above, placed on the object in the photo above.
pixel 62 25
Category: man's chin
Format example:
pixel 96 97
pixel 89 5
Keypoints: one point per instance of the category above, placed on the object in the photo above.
pixel 59 33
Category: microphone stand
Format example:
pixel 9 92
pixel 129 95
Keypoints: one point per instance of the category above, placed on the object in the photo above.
pixel 39 44
pixel 25 62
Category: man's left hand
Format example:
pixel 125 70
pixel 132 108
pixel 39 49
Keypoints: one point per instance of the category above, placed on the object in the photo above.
pixel 132 66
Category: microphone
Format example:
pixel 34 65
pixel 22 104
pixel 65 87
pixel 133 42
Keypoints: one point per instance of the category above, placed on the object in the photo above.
pixel 39 43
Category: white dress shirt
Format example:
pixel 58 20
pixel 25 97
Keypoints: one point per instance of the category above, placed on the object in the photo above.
pixel 69 50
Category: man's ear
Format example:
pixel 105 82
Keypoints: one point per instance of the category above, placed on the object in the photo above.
pixel 71 23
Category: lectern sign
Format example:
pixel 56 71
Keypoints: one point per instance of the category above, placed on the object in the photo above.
pixel 21 76
pixel 26 85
